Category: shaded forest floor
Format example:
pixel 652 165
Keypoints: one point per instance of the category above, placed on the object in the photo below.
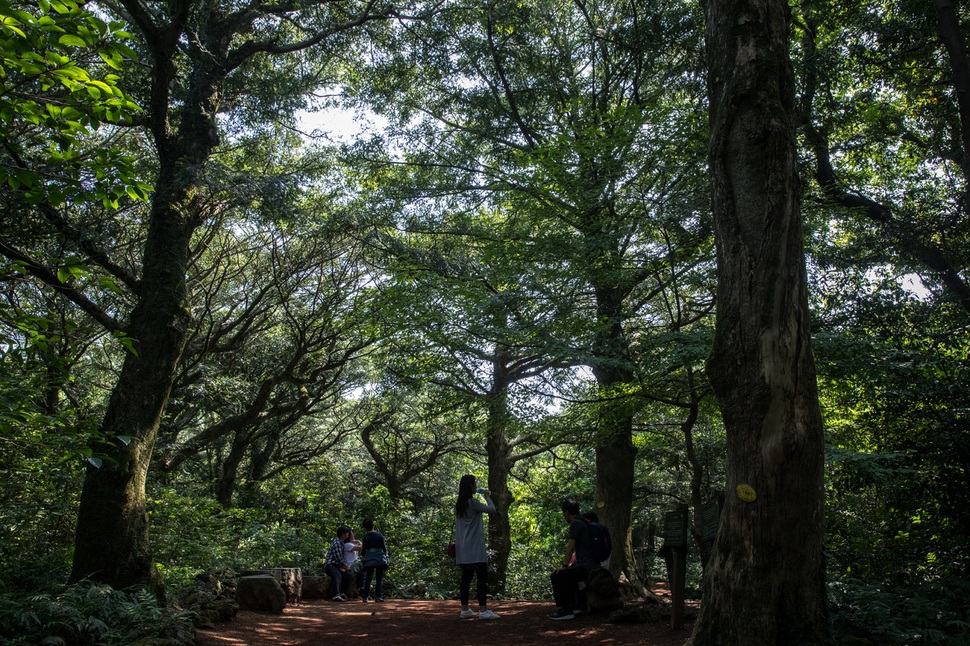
pixel 418 622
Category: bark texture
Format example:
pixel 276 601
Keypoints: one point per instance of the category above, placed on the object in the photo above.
pixel 500 464
pixel 615 453
pixel 765 581
pixel 112 534
pixel 504 452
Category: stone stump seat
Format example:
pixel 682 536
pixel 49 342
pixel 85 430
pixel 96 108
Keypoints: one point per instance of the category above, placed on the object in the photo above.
pixel 260 592
pixel 290 579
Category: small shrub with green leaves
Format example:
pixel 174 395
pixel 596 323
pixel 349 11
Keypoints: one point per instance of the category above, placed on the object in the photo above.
pixel 920 613
pixel 89 614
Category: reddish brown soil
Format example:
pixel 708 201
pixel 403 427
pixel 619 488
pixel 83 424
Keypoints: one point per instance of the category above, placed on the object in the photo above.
pixel 432 623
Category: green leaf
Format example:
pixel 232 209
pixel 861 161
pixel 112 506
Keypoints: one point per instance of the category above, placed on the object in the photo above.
pixel 10 26
pixel 72 40
pixel 126 341
pixel 112 60
pixel 109 283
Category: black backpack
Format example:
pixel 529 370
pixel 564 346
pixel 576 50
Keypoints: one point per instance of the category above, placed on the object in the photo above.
pixel 600 543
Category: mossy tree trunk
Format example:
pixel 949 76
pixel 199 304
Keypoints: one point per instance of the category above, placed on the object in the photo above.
pixel 193 51
pixel 765 580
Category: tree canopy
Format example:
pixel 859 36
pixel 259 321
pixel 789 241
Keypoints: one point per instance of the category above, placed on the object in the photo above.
pixel 585 250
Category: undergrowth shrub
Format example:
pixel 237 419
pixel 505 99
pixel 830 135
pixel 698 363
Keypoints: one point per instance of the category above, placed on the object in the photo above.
pixel 27 573
pixel 923 613
pixel 190 535
pixel 89 614
pixel 419 566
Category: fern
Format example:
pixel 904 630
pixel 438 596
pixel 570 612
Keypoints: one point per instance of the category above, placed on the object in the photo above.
pixel 87 614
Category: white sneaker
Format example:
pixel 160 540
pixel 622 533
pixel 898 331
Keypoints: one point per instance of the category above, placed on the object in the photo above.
pixel 487 614
pixel 468 614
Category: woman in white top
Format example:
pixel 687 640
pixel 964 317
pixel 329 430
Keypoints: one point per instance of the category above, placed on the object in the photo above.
pixel 352 548
pixel 470 553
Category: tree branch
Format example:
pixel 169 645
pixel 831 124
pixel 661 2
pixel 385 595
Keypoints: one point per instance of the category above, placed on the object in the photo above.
pixel 49 277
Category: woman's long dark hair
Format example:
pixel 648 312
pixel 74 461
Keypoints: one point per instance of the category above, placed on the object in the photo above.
pixel 466 489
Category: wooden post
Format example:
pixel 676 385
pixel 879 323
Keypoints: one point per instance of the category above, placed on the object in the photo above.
pixel 675 551
pixel 678 578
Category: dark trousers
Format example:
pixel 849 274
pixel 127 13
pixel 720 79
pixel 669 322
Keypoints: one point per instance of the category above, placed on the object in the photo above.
pixel 377 572
pixel 341 580
pixel 565 586
pixel 479 571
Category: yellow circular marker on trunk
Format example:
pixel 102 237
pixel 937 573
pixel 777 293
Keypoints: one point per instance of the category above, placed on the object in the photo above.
pixel 746 493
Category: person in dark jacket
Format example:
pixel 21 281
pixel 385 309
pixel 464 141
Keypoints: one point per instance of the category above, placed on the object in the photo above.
pixel 374 557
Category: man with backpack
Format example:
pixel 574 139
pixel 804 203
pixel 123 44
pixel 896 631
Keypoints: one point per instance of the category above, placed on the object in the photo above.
pixel 578 562
pixel 601 545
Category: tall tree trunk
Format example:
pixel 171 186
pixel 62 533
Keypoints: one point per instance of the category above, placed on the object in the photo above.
pixel 765 582
pixel 615 459
pixel 696 471
pixel 615 452
pixel 193 47
pixel 499 467
pixel 111 545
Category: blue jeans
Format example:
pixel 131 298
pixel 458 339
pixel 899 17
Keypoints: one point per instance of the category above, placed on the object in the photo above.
pixel 369 572
pixel 341 580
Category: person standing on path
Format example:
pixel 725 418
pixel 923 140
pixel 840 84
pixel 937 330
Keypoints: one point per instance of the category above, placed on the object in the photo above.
pixel 375 561
pixel 470 553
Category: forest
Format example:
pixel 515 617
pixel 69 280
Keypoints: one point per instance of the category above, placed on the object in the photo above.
pixel 271 267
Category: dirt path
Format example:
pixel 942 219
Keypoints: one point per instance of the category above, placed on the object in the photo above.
pixel 414 623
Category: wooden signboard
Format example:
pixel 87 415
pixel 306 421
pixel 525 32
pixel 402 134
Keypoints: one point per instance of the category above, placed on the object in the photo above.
pixel 675 528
